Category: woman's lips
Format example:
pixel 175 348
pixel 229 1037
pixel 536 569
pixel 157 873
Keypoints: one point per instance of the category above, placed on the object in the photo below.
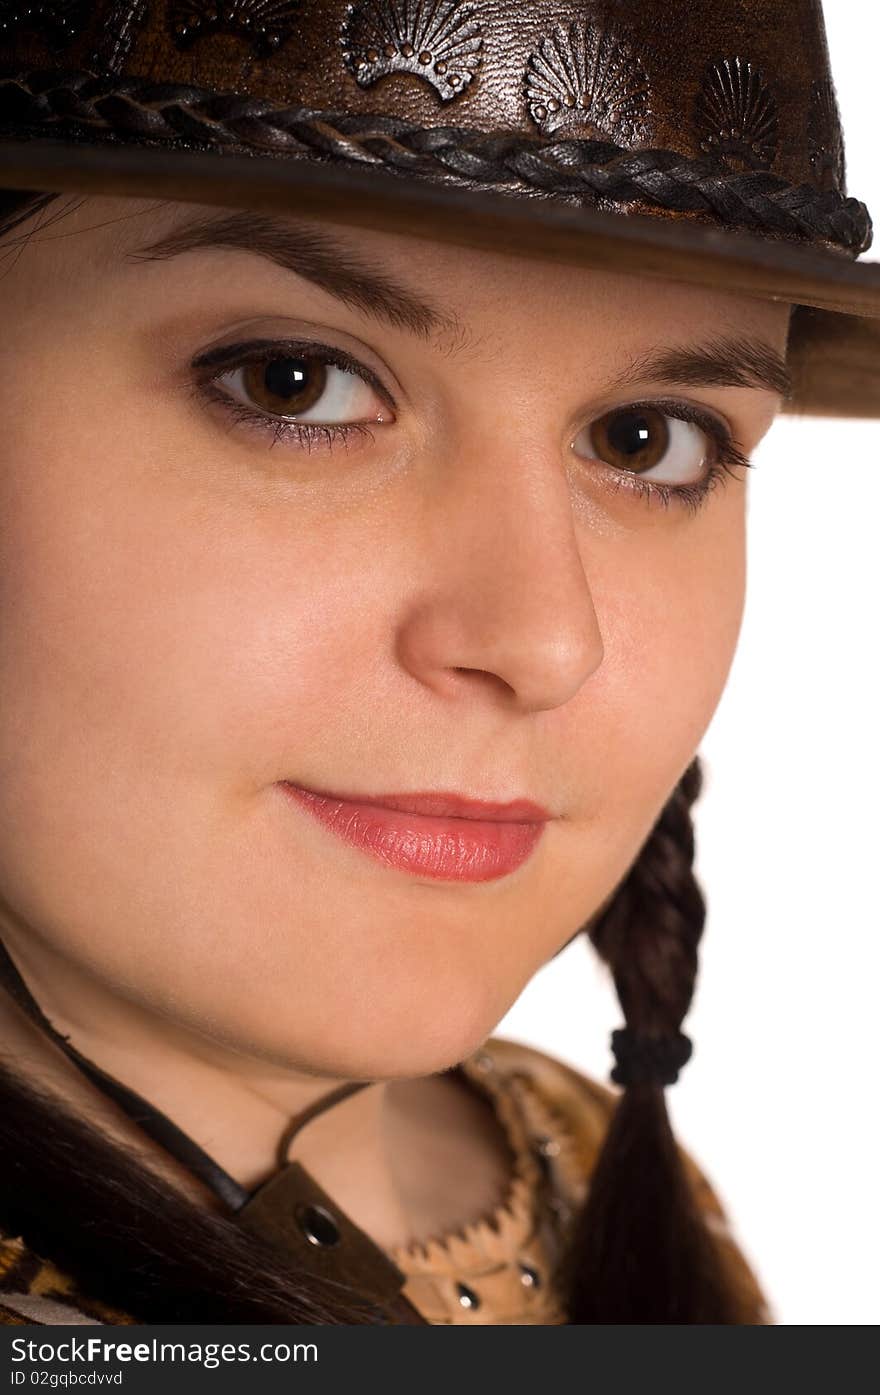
pixel 432 835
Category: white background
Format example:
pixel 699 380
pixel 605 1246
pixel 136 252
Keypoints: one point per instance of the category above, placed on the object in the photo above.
pixel 779 1102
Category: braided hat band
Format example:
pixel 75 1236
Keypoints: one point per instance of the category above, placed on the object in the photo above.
pixel 600 173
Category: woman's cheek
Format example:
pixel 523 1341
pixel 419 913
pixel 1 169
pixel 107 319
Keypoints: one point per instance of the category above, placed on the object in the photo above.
pixel 670 621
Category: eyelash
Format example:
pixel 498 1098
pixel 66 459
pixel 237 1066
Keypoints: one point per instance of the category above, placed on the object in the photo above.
pixel 728 456
pixel 306 435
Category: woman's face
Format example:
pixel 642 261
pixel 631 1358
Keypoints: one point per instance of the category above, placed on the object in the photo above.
pixel 504 581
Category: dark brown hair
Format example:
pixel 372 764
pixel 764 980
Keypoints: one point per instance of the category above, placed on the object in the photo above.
pixel 639 1252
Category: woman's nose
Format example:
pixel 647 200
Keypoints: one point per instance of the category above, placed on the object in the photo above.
pixel 504 593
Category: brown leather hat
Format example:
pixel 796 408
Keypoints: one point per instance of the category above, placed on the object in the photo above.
pixel 697 140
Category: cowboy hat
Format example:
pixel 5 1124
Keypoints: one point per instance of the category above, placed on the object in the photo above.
pixel 694 140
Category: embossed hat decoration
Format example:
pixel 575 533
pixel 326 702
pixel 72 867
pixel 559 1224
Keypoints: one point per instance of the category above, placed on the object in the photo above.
pixel 697 140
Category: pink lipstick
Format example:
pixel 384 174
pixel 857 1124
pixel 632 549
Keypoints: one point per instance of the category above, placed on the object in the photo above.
pixel 430 834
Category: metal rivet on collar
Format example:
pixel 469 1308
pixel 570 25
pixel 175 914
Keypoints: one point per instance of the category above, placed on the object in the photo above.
pixel 529 1276
pixel 317 1225
pixel 547 1147
pixel 466 1297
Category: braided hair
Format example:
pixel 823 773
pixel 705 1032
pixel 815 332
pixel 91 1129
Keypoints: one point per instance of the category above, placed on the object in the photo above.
pixel 639 1251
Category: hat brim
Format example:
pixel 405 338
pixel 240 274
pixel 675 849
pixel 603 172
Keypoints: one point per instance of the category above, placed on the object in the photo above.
pixel 835 339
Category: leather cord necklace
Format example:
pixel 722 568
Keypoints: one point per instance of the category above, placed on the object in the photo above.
pixel 289 1211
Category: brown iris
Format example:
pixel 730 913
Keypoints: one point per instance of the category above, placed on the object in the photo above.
pixel 285 386
pixel 631 438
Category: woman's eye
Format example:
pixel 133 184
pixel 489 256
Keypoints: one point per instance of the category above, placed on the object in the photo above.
pixel 651 443
pixel 306 387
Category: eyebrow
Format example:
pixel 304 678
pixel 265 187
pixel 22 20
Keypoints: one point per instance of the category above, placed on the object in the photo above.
pixel 723 362
pixel 313 254
pixel 321 258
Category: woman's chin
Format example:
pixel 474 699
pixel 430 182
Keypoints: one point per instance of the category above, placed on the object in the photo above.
pixel 397 1046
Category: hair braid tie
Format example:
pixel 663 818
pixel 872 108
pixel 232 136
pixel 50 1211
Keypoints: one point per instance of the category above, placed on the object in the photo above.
pixel 646 1060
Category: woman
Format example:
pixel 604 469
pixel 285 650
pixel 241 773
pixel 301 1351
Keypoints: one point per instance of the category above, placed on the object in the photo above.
pixel 366 597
